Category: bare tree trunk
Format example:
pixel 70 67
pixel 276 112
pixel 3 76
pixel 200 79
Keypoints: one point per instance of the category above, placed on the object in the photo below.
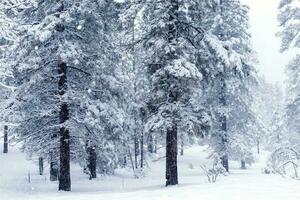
pixel 155 145
pixel 224 158
pixel 142 150
pixel 223 119
pixel 136 150
pixel 224 136
pixel 124 163
pixel 132 164
pixel 171 156
pixel 150 142
pixel 243 164
pixel 223 102
pixel 64 175
pixel 171 137
pixel 258 147
pixel 181 146
pixel 92 162
pixel 136 141
pixel 225 163
pixel 5 144
pixel 41 165
pixel 53 167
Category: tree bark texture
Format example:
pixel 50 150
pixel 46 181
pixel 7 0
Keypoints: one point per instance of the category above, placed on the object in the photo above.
pixel 64 175
pixel 5 143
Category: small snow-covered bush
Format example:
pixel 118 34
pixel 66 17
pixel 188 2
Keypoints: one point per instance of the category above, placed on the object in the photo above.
pixel 268 170
pixel 284 161
pixel 216 169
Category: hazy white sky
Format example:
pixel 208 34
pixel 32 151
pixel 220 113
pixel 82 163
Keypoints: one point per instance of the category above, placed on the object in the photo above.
pixel 264 25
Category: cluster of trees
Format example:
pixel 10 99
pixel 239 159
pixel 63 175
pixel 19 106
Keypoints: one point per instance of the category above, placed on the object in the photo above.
pixel 285 140
pixel 283 128
pixel 289 20
pixel 105 83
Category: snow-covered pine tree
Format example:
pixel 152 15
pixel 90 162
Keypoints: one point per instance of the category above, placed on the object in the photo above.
pixel 7 35
pixel 40 72
pixel 233 72
pixel 9 29
pixel 135 79
pixel 108 118
pixel 242 123
pixel 266 111
pixel 170 41
pixel 288 119
pixel 62 63
pixel 289 21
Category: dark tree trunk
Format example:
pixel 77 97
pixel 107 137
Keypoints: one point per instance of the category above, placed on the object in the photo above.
pixel 41 165
pixel 224 158
pixel 136 141
pixel 150 145
pixel 181 150
pixel 223 102
pixel 258 147
pixel 92 162
pixel 243 164
pixel 124 161
pixel 132 164
pixel 136 151
pixel 171 156
pixel 142 150
pixel 225 163
pixel 171 137
pixel 155 145
pixel 5 144
pixel 223 120
pixel 181 146
pixel 64 173
pixel 53 167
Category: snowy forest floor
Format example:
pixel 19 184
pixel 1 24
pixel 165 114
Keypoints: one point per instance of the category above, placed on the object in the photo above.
pixel 248 184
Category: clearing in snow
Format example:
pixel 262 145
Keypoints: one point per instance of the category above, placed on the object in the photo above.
pixel 249 184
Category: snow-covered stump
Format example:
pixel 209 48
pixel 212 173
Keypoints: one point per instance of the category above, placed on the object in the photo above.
pixel 5 143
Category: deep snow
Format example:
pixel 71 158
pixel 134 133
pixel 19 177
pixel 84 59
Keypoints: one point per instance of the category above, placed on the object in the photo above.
pixel 248 184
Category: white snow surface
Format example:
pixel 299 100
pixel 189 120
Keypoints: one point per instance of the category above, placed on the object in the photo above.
pixel 248 184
